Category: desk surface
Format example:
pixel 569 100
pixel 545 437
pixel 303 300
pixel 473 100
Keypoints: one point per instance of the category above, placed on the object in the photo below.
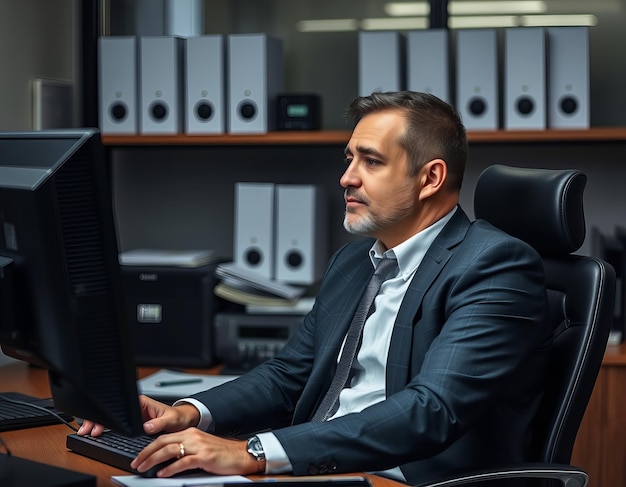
pixel 47 444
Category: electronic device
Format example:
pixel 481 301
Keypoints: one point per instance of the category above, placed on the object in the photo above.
pixel 161 85
pixel 568 77
pixel 525 88
pixel 205 94
pixel 254 228
pixel 255 77
pixel 170 310
pixel 117 84
pixel 61 277
pixel 301 233
pixel 113 449
pixel 381 61
pixel 428 62
pixel 242 341
pixel 477 78
pixel 299 111
pixel 317 481
pixel 19 411
pixel 18 472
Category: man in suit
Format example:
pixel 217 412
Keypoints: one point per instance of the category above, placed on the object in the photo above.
pixel 448 372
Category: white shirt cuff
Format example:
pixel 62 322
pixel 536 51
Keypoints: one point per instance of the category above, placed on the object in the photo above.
pixel 206 419
pixel 276 460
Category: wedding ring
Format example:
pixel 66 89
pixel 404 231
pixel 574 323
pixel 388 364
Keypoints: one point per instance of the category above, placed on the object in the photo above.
pixel 181 452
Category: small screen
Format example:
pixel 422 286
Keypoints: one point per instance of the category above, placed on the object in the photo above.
pixel 299 110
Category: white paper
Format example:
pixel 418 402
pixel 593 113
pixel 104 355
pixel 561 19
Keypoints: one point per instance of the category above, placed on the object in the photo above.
pixel 190 383
pixel 179 481
pixel 175 258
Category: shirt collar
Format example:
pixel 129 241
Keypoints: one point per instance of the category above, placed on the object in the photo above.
pixel 410 253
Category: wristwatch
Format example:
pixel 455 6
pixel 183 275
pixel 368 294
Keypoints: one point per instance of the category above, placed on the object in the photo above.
pixel 255 448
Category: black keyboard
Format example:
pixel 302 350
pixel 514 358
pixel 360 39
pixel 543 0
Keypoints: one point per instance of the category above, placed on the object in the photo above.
pixel 111 448
pixel 17 411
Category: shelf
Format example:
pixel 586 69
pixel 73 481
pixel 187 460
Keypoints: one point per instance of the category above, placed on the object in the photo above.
pixel 332 137
pixel 272 138
pixel 596 134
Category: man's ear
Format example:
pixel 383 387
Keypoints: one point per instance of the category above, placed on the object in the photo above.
pixel 432 178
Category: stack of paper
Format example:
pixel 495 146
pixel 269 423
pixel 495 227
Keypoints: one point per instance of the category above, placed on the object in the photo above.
pixel 169 258
pixel 244 287
pixel 183 480
pixel 169 384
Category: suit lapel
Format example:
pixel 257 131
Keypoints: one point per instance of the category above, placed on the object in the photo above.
pixel 400 348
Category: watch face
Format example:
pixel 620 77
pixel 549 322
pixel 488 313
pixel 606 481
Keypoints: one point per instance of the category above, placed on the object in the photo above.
pixel 255 448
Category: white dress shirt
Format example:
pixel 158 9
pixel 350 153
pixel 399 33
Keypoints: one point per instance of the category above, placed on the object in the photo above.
pixel 367 385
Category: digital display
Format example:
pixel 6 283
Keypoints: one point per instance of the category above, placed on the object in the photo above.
pixel 263 332
pixel 300 110
pixel 149 313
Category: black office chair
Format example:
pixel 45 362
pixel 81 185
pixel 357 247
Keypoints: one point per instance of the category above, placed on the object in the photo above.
pixel 544 207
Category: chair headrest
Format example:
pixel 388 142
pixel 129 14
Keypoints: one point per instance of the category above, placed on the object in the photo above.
pixel 543 207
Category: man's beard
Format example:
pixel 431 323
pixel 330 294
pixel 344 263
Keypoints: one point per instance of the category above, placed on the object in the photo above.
pixel 364 225
pixel 371 223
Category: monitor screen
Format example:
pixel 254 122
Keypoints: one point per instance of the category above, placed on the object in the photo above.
pixel 61 305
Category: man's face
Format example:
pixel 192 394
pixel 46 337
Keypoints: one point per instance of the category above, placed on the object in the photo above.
pixel 380 196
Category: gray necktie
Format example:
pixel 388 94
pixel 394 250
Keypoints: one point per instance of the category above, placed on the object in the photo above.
pixel 353 338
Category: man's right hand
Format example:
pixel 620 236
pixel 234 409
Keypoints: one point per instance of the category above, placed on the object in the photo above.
pixel 157 417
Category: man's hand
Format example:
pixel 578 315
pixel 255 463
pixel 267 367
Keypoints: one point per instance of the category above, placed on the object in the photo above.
pixel 157 417
pixel 195 449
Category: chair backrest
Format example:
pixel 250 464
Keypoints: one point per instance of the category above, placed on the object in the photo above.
pixel 544 207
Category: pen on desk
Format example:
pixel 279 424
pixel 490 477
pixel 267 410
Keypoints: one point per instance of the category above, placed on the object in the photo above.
pixel 181 382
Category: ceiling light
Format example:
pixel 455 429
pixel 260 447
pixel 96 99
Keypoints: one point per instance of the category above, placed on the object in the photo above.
pixel 497 7
pixel 558 20
pixel 330 25
pixel 402 23
pixel 401 9
pixel 483 22
pixel 404 9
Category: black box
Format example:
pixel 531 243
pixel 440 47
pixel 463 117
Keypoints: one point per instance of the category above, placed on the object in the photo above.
pixel 170 311
pixel 298 111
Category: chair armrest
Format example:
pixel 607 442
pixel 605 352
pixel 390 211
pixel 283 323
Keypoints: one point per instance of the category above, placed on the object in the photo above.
pixel 568 475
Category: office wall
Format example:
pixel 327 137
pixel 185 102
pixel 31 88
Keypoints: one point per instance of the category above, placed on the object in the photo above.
pixel 36 41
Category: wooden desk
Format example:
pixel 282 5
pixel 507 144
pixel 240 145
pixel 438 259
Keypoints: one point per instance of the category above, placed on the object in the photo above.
pixel 47 444
pixel 600 446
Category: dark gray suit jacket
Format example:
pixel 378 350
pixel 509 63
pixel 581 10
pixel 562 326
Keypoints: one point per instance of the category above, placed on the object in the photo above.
pixel 464 371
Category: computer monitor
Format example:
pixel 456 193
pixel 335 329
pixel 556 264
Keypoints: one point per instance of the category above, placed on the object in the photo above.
pixel 61 304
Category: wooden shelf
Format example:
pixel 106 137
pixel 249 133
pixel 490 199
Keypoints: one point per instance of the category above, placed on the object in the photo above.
pixel 599 134
pixel 272 138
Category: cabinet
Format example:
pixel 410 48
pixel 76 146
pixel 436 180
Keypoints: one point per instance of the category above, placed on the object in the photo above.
pixel 600 446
